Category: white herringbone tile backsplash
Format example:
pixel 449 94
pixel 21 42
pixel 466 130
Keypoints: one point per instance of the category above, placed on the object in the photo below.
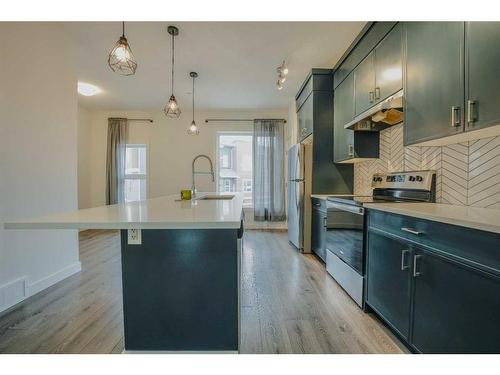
pixel 467 173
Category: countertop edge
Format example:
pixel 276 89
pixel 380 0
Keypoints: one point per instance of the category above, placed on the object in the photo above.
pixel 434 217
pixel 166 212
pixel 122 225
pixel 325 196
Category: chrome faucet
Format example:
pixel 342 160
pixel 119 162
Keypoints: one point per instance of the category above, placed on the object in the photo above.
pixel 193 187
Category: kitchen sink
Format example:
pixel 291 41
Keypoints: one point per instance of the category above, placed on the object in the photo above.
pixel 216 197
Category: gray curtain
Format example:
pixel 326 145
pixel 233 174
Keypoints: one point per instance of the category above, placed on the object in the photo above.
pixel 115 160
pixel 268 170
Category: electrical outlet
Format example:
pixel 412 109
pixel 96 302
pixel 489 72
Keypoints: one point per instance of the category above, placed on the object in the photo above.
pixel 134 237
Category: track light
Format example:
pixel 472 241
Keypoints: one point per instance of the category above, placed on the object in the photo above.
pixel 282 72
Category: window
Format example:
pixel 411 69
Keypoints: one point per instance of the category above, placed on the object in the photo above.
pixel 227 185
pixel 226 157
pixel 234 164
pixel 247 185
pixel 135 172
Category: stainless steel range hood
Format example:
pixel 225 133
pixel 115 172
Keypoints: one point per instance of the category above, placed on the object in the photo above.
pixel 386 113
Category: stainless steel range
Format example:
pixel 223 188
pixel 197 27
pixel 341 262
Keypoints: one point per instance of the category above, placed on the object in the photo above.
pixel 345 256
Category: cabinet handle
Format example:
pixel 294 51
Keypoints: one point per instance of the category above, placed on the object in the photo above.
pixel 371 96
pixel 377 92
pixel 471 118
pixel 455 120
pixel 404 266
pixel 324 221
pixel 415 267
pixel 412 231
pixel 350 150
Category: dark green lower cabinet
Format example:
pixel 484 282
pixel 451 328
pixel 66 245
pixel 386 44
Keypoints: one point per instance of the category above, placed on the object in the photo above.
pixel 388 291
pixel 456 308
pixel 318 233
pixel 440 299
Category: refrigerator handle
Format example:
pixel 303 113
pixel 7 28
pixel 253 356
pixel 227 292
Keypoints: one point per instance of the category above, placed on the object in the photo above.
pixel 297 197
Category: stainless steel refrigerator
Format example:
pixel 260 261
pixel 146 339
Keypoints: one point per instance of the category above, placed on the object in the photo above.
pixel 296 186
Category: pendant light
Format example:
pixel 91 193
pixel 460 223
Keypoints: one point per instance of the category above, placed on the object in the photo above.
pixel 193 128
pixel 172 107
pixel 120 59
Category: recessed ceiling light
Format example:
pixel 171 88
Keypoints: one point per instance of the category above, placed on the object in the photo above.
pixel 87 89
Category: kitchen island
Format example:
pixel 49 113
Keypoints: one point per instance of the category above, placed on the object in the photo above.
pixel 180 269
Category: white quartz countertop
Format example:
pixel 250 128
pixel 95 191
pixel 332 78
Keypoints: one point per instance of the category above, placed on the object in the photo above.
pixel 486 219
pixel 166 212
pixel 325 196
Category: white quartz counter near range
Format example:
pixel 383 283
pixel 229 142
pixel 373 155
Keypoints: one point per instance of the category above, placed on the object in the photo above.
pixel 166 212
pixel 486 219
pixel 325 196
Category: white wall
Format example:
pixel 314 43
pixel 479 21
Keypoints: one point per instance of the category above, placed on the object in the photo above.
pixel 38 142
pixel 171 149
pixel 84 157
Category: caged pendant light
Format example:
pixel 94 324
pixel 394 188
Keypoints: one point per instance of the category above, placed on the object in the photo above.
pixel 193 128
pixel 120 59
pixel 172 107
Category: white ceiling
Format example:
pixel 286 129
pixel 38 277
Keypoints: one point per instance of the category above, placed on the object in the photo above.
pixel 236 61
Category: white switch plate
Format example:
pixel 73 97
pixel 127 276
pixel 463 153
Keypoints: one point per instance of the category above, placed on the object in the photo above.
pixel 134 236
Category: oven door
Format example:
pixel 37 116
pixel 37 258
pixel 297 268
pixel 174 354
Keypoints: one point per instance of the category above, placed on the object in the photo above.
pixel 345 234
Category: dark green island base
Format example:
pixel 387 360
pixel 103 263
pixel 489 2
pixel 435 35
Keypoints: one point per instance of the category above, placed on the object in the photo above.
pixel 181 290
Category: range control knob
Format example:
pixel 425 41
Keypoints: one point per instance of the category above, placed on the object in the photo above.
pixel 419 178
pixel 412 178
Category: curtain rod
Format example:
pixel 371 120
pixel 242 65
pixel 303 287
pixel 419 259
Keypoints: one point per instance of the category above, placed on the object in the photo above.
pixel 239 119
pixel 140 119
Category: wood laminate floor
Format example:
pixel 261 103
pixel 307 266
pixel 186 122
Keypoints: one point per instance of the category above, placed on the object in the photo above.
pixel 289 305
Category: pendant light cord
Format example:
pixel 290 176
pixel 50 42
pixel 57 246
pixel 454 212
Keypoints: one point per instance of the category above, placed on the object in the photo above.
pixel 193 98
pixel 173 61
pixel 123 29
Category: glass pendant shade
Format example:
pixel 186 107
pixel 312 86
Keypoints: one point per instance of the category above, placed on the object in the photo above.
pixel 193 129
pixel 172 109
pixel 121 60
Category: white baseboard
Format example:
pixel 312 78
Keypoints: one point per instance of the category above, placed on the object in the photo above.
pixel 50 280
pixel 13 292
pixel 16 291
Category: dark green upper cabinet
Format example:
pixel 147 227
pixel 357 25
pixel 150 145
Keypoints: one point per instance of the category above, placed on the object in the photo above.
pixel 380 74
pixel 434 87
pixel 364 84
pixel 350 146
pixel 483 74
pixel 305 117
pixel 389 65
pixel 314 103
pixel 343 112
